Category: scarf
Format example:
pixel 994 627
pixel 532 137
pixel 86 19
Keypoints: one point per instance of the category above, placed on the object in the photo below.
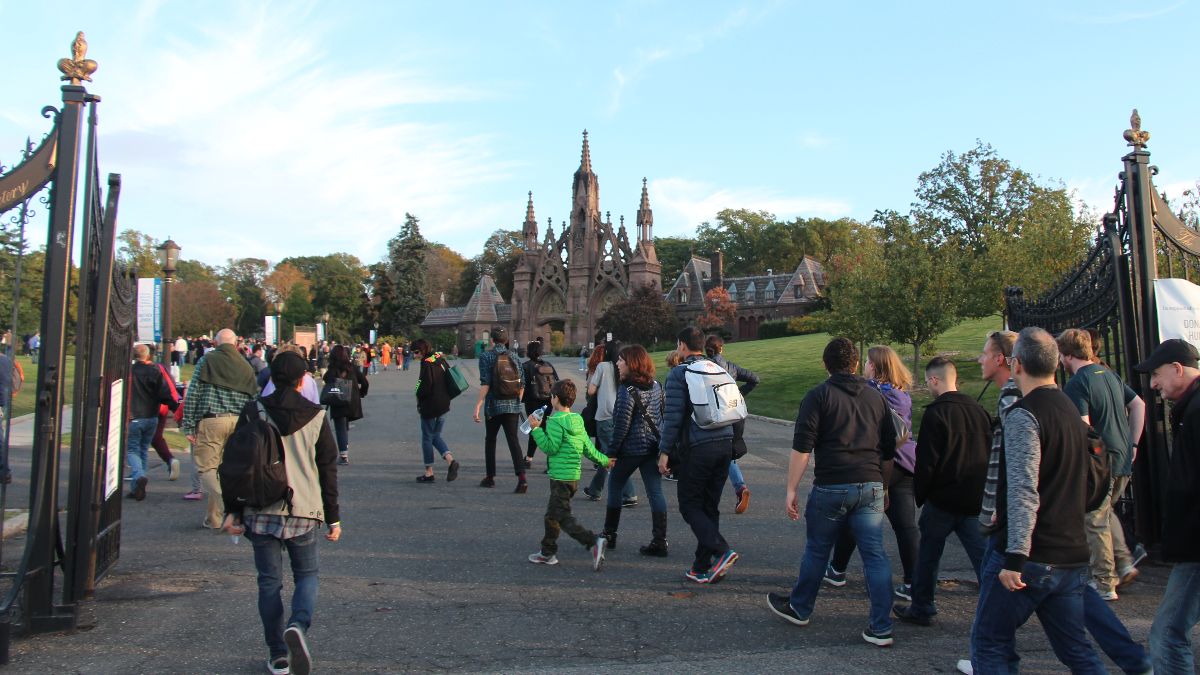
pixel 225 367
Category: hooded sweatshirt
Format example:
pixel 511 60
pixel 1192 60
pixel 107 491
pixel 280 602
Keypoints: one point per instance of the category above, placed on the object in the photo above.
pixel 845 423
pixel 565 442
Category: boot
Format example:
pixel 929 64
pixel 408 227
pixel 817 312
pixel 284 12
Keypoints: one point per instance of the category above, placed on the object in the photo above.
pixel 612 520
pixel 658 545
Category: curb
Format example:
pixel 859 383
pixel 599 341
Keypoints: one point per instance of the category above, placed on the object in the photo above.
pixel 770 420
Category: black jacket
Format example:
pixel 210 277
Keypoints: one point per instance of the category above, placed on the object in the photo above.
pixel 432 398
pixel 148 390
pixel 352 411
pixel 952 454
pixel 845 423
pixel 1182 521
pixel 679 430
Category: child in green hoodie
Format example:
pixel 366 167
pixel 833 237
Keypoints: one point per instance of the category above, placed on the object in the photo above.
pixel 565 442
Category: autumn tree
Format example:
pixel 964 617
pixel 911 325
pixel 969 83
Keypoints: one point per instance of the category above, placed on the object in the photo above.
pixel 644 317
pixel 199 307
pixel 444 268
pixel 501 253
pixel 282 281
pixel 719 310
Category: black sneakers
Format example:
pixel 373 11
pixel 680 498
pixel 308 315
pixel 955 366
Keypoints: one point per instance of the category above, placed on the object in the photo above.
pixel 906 614
pixel 782 607
pixel 877 639
pixel 299 658
pixel 452 472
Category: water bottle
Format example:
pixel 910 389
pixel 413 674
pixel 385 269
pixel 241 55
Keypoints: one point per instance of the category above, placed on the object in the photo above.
pixel 235 539
pixel 538 414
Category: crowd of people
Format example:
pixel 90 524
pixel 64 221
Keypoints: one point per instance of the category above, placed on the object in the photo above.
pixel 1029 492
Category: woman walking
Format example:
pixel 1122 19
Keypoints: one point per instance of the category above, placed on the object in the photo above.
pixel 341 368
pixel 637 417
pixel 714 346
pixel 539 376
pixel 433 402
pixel 886 372
pixel 602 383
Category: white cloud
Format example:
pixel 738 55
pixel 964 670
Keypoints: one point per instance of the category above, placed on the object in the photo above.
pixel 680 204
pixel 812 140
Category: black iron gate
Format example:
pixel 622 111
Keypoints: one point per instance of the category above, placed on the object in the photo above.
pixel 103 315
pixel 1112 292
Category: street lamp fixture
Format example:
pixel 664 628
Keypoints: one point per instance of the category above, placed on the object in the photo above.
pixel 168 258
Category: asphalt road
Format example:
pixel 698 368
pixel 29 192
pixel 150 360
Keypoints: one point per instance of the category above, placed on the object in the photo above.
pixel 435 578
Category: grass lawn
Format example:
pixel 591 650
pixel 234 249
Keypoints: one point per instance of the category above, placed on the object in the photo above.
pixel 788 367
pixel 23 402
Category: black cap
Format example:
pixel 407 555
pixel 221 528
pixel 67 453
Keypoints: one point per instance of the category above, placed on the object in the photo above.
pixel 1170 351
pixel 500 335
pixel 290 366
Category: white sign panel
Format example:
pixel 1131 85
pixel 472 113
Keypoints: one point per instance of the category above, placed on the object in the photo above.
pixel 149 310
pixel 116 414
pixel 1178 303
pixel 269 329
pixel 320 332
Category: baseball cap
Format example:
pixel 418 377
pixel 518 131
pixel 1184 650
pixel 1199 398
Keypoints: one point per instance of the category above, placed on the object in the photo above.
pixel 288 365
pixel 1170 351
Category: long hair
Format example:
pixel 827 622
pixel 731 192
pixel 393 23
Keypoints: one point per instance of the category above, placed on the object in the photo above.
pixel 640 369
pixel 595 359
pixel 889 369
pixel 713 345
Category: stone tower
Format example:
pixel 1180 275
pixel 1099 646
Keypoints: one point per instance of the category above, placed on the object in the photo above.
pixel 644 268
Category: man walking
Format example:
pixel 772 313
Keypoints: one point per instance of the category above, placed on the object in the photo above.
pixel 221 386
pixel 178 350
pixel 149 389
pixel 1118 415
pixel 705 455
pixel 952 457
pixel 1174 374
pixel 501 388
pixel 1038 559
pixel 846 423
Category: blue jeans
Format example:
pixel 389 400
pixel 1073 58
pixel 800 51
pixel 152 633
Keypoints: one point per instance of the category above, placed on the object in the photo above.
pixel 341 432
pixel 431 437
pixel 1055 593
pixel 936 526
pixel 860 505
pixel 604 432
pixel 141 433
pixel 735 477
pixel 1111 636
pixel 268 559
pixel 1170 640
pixel 619 477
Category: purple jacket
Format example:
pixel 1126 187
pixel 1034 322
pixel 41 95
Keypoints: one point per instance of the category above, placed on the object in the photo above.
pixel 901 402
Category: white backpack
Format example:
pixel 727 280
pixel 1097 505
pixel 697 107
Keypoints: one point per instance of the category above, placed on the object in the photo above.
pixel 716 400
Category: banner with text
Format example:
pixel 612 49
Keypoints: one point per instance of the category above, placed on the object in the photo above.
pixel 269 325
pixel 149 310
pixel 1178 309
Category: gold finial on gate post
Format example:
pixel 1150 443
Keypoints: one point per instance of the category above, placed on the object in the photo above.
pixel 77 68
pixel 1136 137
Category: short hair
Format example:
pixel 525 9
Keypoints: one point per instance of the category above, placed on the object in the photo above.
pixel 940 366
pixel 714 344
pixel 692 337
pixel 889 369
pixel 564 391
pixel 1004 341
pixel 640 367
pixel 141 352
pixel 421 345
pixel 1075 342
pixel 840 356
pixel 499 336
pixel 674 358
pixel 1037 352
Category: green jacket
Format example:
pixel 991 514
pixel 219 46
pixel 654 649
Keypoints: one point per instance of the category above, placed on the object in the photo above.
pixel 564 440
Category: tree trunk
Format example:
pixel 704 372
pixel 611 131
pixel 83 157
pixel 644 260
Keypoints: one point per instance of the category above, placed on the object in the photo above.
pixel 916 359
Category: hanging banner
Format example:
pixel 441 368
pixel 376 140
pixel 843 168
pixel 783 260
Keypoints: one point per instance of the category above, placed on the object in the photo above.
pixel 320 332
pixel 149 310
pixel 372 340
pixel 114 445
pixel 269 329
pixel 1178 303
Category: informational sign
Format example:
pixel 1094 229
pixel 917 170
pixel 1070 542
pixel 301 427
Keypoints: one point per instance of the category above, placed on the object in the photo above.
pixel 116 414
pixel 1178 303
pixel 269 325
pixel 320 332
pixel 372 340
pixel 149 310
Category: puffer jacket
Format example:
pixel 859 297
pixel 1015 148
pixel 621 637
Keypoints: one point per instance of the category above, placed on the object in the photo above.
pixel 901 402
pixel 679 431
pixel 565 442
pixel 632 436
pixel 747 379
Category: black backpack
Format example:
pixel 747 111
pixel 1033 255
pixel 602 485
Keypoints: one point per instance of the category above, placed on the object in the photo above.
pixel 252 471
pixel 506 377
pixel 1099 477
pixel 541 378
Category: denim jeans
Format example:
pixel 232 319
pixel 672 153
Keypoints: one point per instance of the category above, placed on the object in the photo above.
pixel 1055 593
pixel 858 506
pixel 1170 636
pixel 604 432
pixel 268 559
pixel 736 479
pixel 936 526
pixel 491 429
pixel 702 477
pixel 431 437
pixel 341 432
pixel 618 478
pixel 1111 636
pixel 141 432
pixel 902 514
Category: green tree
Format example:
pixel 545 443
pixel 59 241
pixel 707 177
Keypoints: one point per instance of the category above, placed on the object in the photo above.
pixel 408 270
pixel 674 254
pixel 200 307
pixel 339 283
pixel 298 309
pixel 824 239
pixel 194 270
pixel 753 241
pixel 139 253
pixel 444 268
pixel 853 290
pixel 644 317
pixel 241 282
pixel 501 253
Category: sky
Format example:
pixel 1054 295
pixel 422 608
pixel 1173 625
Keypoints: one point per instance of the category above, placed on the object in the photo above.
pixel 273 129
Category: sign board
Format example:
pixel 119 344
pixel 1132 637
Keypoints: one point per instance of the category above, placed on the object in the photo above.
pixel 305 336
pixel 372 340
pixel 270 323
pixel 112 461
pixel 320 332
pixel 1178 303
pixel 149 310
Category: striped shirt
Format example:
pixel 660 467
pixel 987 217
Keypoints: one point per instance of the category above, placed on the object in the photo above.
pixel 1009 394
pixel 280 527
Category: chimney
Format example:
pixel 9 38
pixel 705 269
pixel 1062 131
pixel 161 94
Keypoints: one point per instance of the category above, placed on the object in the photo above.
pixel 717 260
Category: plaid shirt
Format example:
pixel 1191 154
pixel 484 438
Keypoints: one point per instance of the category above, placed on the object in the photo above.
pixel 280 527
pixel 203 398
pixel 496 406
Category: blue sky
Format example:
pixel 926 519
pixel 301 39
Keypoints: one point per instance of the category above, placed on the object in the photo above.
pixel 288 128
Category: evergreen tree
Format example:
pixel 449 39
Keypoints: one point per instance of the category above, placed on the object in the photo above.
pixel 407 269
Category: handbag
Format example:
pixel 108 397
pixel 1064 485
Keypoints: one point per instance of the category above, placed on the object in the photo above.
pixel 336 392
pixel 456 382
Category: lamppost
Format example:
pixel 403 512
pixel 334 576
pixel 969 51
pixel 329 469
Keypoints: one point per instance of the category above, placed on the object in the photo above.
pixel 279 322
pixel 168 256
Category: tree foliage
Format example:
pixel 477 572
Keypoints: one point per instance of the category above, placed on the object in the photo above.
pixel 139 253
pixel 501 253
pixel 753 241
pixel 644 317
pixel 444 268
pixel 719 310
pixel 199 307
pixel 281 283
pixel 407 270
pixel 673 254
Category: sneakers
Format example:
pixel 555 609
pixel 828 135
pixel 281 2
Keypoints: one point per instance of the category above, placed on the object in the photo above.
pixel 698 577
pixel 632 501
pixel 174 469
pixel 671 477
pixel 903 591
pixel 488 482
pixel 833 577
pixel 723 564
pixel 343 460
pixel 587 492
pixel 1128 575
pixel 743 500
pixel 782 607
pixel 522 488
pixel 452 472
pixel 906 614
pixel 539 559
pixel 299 659
pixel 139 488
pixel 1107 596
pixel 1139 554
pixel 425 479
pixel 598 552
pixel 194 495
pixel 964 666
pixel 278 666
pixel 878 639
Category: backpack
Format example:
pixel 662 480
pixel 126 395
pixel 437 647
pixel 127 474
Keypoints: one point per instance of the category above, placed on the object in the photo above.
pixel 541 378
pixel 337 392
pixel 506 377
pixel 714 395
pixel 252 471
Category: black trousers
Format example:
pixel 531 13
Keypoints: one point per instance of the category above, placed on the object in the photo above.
pixel 508 422
pixel 559 518
pixel 702 476
pixel 902 514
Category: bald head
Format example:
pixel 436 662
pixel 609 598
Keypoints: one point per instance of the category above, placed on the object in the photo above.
pixel 141 352
pixel 226 336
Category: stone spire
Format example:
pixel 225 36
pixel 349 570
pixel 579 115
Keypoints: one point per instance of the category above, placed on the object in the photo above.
pixel 645 217
pixel 585 162
pixel 530 228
